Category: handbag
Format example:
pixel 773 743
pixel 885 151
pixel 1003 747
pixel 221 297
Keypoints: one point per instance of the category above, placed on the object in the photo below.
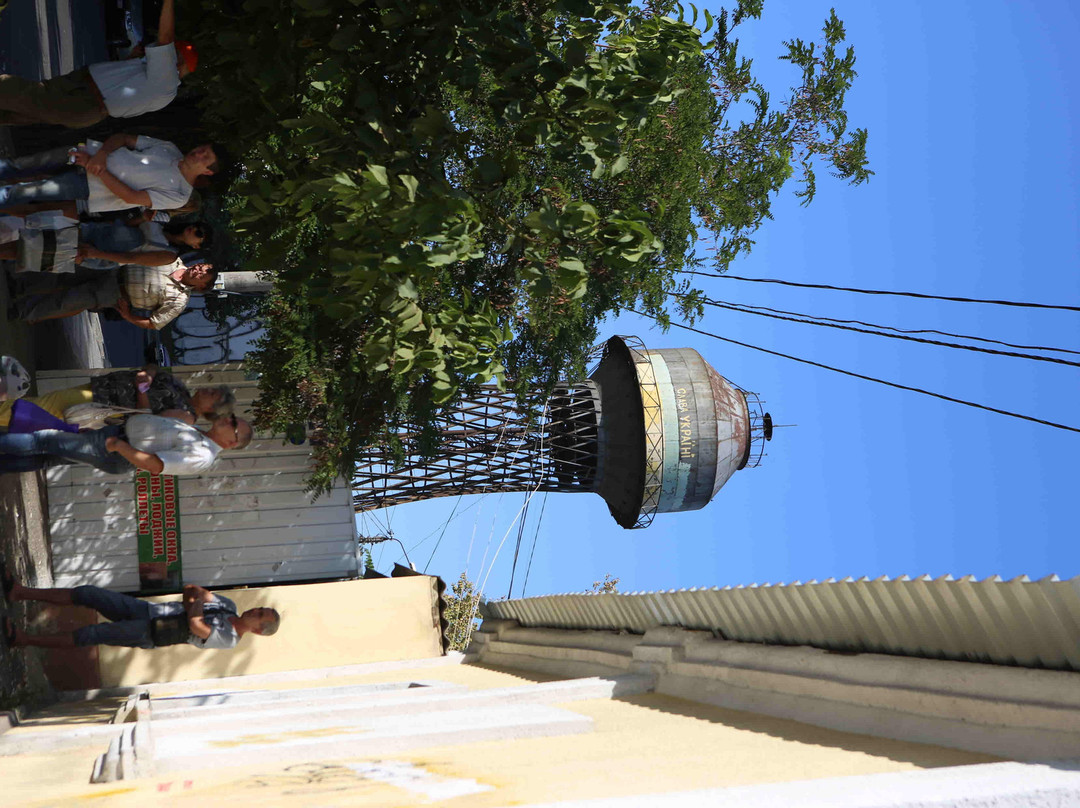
pixel 171 630
pixel 94 416
pixel 45 250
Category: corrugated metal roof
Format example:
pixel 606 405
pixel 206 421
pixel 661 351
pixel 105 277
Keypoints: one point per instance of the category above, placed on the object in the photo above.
pixel 1016 622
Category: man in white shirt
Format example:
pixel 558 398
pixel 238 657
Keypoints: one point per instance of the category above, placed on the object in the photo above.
pixel 125 171
pixel 121 89
pixel 202 618
pixel 154 443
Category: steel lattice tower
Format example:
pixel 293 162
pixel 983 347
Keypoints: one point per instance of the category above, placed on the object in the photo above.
pixel 650 431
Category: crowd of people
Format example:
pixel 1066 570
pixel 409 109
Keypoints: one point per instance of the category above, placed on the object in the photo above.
pixel 114 201
pixel 115 197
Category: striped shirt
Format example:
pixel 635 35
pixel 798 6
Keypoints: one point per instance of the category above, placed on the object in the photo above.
pixel 153 289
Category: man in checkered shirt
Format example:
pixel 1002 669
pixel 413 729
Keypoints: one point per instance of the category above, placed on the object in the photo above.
pixel 162 291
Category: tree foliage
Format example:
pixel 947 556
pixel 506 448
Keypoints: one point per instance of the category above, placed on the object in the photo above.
pixel 608 586
pixel 458 192
pixel 462 608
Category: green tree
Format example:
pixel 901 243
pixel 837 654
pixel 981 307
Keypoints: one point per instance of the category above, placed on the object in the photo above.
pixel 462 606
pixel 458 192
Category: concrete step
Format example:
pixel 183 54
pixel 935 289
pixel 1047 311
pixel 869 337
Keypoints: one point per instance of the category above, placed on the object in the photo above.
pixel 315 710
pixel 382 735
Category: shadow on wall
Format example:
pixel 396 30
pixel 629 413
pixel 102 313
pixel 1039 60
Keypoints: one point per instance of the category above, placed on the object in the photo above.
pixel 322 625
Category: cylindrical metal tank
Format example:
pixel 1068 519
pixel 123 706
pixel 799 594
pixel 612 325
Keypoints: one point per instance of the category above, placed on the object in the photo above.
pixel 706 427
pixel 672 431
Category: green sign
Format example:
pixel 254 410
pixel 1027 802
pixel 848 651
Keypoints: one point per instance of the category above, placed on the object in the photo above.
pixel 157 508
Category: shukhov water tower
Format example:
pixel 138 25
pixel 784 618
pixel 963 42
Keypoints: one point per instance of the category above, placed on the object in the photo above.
pixel 649 431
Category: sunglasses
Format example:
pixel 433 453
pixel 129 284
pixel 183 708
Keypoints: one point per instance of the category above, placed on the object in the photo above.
pixel 198 232
pixel 235 428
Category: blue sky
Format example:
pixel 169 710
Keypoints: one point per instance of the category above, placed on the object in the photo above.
pixel 972 110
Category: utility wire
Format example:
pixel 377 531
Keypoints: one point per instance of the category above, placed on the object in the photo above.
pixel 909 330
pixel 735 307
pixel 482 585
pixel 438 530
pixel 872 379
pixel 883 292
pixel 369 540
pixel 528 568
pixel 517 547
pixel 403 552
pixel 446 524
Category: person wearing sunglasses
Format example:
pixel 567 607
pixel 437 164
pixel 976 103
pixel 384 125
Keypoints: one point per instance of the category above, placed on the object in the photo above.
pixel 149 388
pixel 108 245
pixel 156 444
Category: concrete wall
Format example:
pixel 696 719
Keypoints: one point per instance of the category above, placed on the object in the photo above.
pixel 549 731
pixel 1011 712
pixel 329 624
pixel 468 735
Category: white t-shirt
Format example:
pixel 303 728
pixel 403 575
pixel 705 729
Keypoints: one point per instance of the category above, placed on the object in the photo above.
pixel 216 615
pixel 183 449
pixel 135 86
pixel 152 166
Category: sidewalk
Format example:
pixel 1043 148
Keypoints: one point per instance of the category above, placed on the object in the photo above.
pixel 75 342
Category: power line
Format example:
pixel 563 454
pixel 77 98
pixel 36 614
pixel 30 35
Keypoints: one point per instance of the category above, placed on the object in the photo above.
pixel 482 585
pixel 800 319
pixel 446 524
pixel 911 330
pixel 517 547
pixel 370 540
pixel 883 292
pixel 528 568
pixel 439 529
pixel 403 551
pixel 872 379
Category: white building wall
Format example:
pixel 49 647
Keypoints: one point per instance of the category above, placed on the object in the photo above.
pixel 245 521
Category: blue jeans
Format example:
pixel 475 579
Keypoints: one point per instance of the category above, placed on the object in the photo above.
pixel 29 451
pixel 31 166
pixel 130 617
pixel 69 186
pixel 62 183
